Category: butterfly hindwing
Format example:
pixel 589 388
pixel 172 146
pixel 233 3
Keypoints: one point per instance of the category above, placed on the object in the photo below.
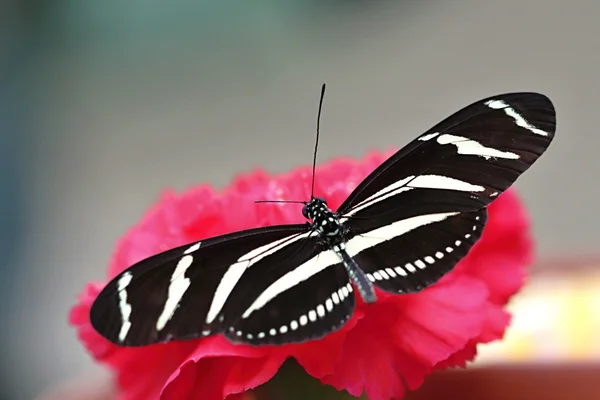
pixel 306 303
pixel 428 250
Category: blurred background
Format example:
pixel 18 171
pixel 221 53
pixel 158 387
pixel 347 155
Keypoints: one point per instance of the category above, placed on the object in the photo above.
pixel 105 103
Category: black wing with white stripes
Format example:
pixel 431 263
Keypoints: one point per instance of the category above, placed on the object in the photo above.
pixel 205 287
pixel 418 250
pixel 472 156
pixel 433 192
pixel 403 228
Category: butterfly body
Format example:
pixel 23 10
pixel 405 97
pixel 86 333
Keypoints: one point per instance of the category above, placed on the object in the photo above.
pixel 334 235
pixel 405 226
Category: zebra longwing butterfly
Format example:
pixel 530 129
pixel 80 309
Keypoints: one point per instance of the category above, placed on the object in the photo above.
pixel 403 228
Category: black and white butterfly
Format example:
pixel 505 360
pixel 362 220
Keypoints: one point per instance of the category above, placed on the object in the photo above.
pixel 403 228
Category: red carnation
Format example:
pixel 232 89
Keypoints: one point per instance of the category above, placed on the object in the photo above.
pixel 384 350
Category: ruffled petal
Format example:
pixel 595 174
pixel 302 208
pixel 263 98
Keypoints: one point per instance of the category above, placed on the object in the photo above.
pixel 217 369
pixel 460 358
pixel 505 250
pixel 433 326
pixel 496 320
pixel 142 371
pixel 319 358
pixel 402 338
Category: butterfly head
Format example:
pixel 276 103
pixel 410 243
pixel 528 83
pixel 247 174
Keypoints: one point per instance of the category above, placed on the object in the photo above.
pixel 323 219
pixel 314 208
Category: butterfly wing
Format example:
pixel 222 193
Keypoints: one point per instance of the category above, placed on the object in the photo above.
pixel 464 162
pixel 411 254
pixel 308 302
pixel 419 213
pixel 204 288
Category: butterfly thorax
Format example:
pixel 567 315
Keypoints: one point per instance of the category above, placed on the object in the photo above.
pixel 324 221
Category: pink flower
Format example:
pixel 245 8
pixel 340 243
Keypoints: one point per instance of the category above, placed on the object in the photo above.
pixel 384 350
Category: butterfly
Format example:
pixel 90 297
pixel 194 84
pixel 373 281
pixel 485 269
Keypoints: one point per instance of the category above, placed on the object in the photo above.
pixel 404 227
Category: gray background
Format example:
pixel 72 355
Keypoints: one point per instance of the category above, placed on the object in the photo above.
pixel 115 102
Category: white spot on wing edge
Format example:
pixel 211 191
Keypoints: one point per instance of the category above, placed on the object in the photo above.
pixel 329 305
pixel 179 284
pixel 511 112
pixel 335 297
pixel 320 310
pixel 468 146
pixel 303 320
pixel 123 305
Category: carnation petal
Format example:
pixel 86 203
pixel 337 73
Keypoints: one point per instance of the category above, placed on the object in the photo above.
pixel 401 339
pixel 435 324
pixel 141 371
pixel 372 365
pixel 495 323
pixel 320 357
pixel 218 368
pixel 461 357
pixel 505 250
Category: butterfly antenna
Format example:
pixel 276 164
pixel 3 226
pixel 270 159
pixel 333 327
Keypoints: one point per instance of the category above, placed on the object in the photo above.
pixel 312 190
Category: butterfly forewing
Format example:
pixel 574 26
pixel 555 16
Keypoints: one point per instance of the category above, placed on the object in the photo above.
pixel 478 153
pixel 183 295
